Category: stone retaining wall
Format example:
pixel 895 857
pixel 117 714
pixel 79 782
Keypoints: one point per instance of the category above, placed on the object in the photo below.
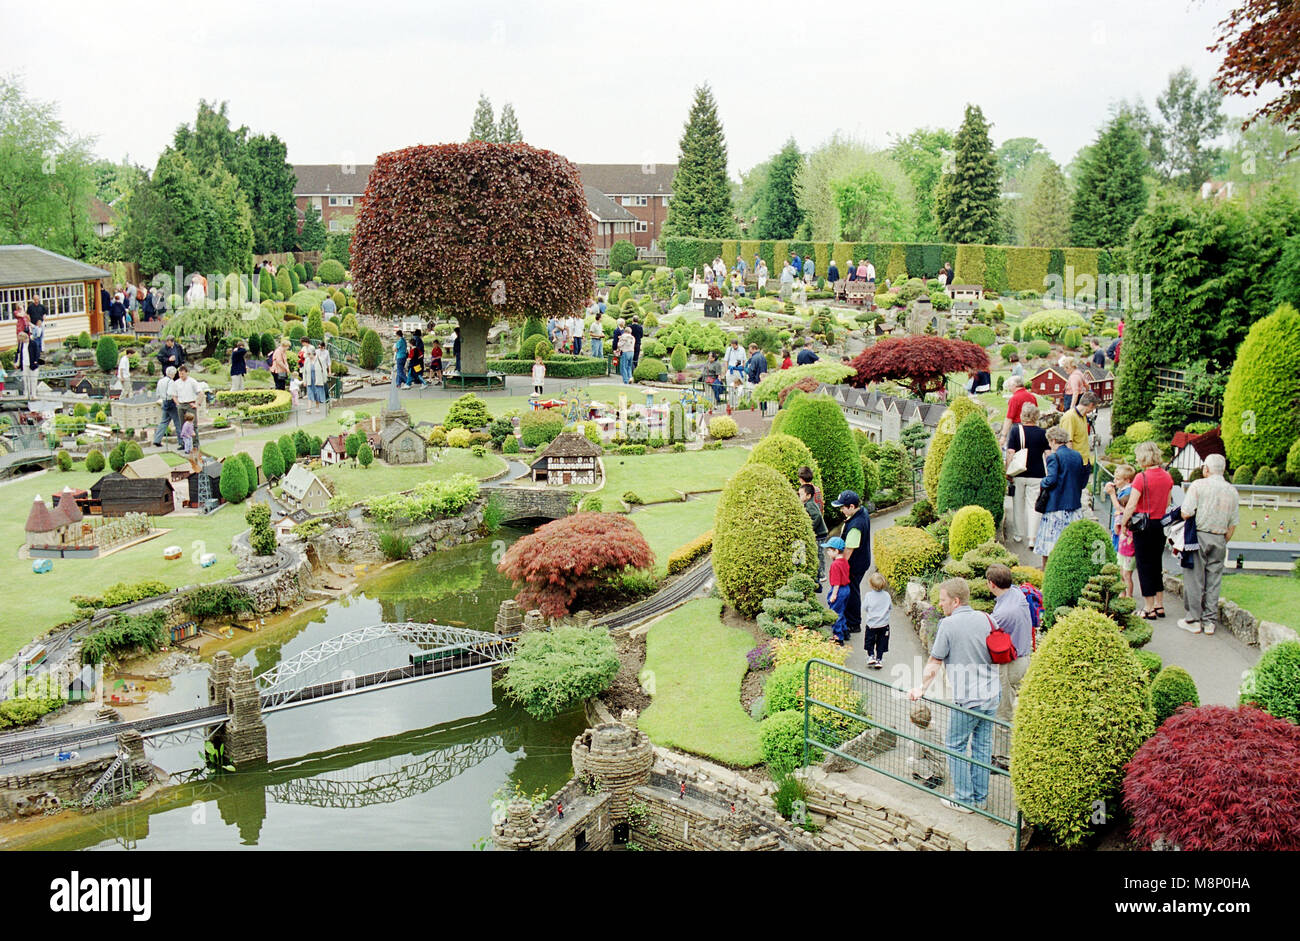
pixel 351 541
pixel 1247 628
pixel 25 795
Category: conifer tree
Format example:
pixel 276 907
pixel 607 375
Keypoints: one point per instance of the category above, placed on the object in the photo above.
pixel 968 201
pixel 1111 191
pixel 483 127
pixel 508 126
pixel 701 203
pixel 1047 217
pixel 779 214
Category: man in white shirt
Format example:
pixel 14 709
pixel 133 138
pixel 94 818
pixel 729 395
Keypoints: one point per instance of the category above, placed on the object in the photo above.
pixel 164 395
pixel 735 359
pixel 575 334
pixel 871 273
pixel 597 336
pixel 124 373
pixel 184 393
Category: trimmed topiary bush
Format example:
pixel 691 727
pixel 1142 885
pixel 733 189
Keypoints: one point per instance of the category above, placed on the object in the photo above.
pixel 272 461
pixel 1273 684
pixel 468 411
pixel 510 445
pixel 818 421
pixel 234 480
pixel 132 452
pixel 539 427
pixel 786 454
pixel 902 553
pixel 1243 476
pixel 330 272
pixel 1084 547
pixel 649 369
pixel 95 460
pixel 971 525
pixel 761 536
pixel 780 736
pixel 106 354
pixel 1216 778
pixel 1083 712
pixel 1140 431
pixel 972 470
pixel 372 350
pixel 1172 687
pixel 1038 348
pixel 723 427
pixel 1260 419
pixel 942 439
pixel 1267 477
pixel 678 360
pixel 980 335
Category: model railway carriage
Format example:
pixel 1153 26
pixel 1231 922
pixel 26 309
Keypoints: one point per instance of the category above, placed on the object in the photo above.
pixel 433 656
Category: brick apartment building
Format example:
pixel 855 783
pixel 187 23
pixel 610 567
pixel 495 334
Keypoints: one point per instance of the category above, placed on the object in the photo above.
pixel 334 189
pixel 644 191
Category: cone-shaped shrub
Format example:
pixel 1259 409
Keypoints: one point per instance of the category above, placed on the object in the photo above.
pixel 234 480
pixel 942 439
pixel 787 454
pixel 1260 419
pixel 972 470
pixel 1084 547
pixel 272 461
pixel 1273 683
pixel 818 422
pixel 1084 709
pixel 761 536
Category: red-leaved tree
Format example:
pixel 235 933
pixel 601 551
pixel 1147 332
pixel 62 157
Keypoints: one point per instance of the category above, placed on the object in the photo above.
pixel 1217 778
pixel 921 363
pixel 477 231
pixel 1260 42
pixel 571 555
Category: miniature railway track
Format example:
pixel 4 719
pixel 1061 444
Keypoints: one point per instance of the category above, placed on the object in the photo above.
pixel 678 592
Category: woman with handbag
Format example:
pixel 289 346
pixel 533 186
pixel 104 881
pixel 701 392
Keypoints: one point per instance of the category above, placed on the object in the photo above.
pixel 1026 450
pixel 1146 506
pixel 1059 497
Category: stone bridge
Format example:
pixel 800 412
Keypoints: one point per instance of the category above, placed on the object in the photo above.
pixel 533 503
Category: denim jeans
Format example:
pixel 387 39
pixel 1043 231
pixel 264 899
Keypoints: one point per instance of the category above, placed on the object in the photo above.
pixel 597 348
pixel 399 371
pixel 625 367
pixel 971 735
pixel 169 416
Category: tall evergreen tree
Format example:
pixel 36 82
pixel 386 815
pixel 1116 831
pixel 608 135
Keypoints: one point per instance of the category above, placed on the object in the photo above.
pixel 1111 190
pixel 701 203
pixel 968 203
pixel 1046 221
pixel 483 127
pixel 778 210
pixel 313 235
pixel 508 126
pixel 921 155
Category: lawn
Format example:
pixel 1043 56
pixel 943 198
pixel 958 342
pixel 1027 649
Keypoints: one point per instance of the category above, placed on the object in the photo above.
pixel 657 478
pixel 357 483
pixel 1289 516
pixel 35 603
pixel 1268 597
pixel 694 666
pixel 668 526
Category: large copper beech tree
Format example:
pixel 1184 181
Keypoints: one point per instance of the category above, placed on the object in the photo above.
pixel 479 232
pixel 919 362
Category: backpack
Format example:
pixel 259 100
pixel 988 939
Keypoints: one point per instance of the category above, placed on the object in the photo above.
pixel 1035 599
pixel 1001 650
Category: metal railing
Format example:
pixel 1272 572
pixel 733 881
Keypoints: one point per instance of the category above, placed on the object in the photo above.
pixel 868 722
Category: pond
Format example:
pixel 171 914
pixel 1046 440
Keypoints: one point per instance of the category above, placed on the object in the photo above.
pixel 412 767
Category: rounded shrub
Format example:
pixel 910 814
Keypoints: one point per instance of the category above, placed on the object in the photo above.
pixel 971 525
pixel 818 422
pixel 510 445
pixel 942 439
pixel 1267 477
pixel 723 427
pixel 1243 476
pixel 678 360
pixel 1152 663
pixel 1273 684
pixel 468 411
pixel 902 553
pixel 972 470
pixel 132 452
pixel 780 736
pixel 1260 419
pixel 1216 778
pixel 330 272
pixel 95 460
pixel 528 345
pixel 786 454
pixel 234 481
pixel 1038 348
pixel 272 461
pixel 106 354
pixel 980 335
pixel 1084 547
pixel 458 438
pixel 649 369
pixel 761 536
pixel 1009 350
pixel 1083 712
pixel 1172 687
pixel 539 427
pixel 1140 431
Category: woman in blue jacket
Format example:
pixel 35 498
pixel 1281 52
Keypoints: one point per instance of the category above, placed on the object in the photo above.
pixel 1066 477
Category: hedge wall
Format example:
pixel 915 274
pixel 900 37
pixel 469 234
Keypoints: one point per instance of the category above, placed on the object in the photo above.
pixel 558 366
pixel 1001 268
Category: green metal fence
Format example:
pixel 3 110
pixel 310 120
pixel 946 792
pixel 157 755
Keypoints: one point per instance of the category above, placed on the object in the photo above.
pixel 868 721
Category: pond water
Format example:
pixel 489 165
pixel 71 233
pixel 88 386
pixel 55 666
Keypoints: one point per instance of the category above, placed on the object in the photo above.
pixel 413 767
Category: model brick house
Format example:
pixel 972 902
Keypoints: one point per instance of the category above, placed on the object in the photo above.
pixel 610 222
pixel 1049 383
pixel 644 190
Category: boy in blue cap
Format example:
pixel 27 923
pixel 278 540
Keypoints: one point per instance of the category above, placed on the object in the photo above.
pixel 837 598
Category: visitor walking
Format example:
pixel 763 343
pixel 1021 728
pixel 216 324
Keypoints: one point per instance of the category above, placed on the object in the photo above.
pixel 712 376
pixel 116 314
pixel 1060 493
pixel 1213 503
pixel 1018 398
pixel 415 360
pixel 280 364
pixel 1076 385
pixel 1075 423
pixel 576 324
pixel 856 533
pixel 455 347
pixel 124 373
pixel 596 337
pixel 238 366
pixel 787 281
pixel 184 392
pixel 435 359
pixel 832 273
pixel 809 270
pixel 961 647
pixel 163 392
pixel 626 355
pixel 735 359
pixel 295 387
pixel 328 308
pixel 876 607
pixel 399 362
pixel 1119 490
pixel 27 362
pixel 754 370
pixel 760 270
pixel 637 334
pixel 1146 507
pixel 187 434
pixel 318 378
pixel 1011 613
pixel 807 492
pixel 1025 435
pixel 838 597
pixel 171 354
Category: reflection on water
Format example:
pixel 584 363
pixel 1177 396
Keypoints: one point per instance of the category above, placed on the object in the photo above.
pixel 412 767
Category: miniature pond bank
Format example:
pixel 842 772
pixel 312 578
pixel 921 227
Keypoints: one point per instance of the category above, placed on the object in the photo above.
pixel 414 767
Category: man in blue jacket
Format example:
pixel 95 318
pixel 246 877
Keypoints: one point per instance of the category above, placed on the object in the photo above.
pixel 857 550
pixel 754 370
pixel 805 357
pixel 399 362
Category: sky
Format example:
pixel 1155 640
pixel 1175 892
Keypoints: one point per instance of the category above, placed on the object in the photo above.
pixel 600 82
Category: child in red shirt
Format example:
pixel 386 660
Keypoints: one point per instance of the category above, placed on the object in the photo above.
pixel 838 596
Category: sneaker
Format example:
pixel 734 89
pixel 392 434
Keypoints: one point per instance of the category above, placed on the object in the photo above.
pixel 877 665
pixel 1191 627
pixel 957 807
pixel 1207 627
pixel 1001 761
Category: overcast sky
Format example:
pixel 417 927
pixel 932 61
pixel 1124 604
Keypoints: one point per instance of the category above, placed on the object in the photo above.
pixel 599 82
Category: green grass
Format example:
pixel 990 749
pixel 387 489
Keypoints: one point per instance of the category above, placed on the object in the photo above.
pixel 1288 514
pixel 36 603
pixel 668 526
pixel 1268 597
pixel 657 478
pixel 358 483
pixel 697 665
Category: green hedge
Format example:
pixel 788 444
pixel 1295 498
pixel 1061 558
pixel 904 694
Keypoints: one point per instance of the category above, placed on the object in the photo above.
pixel 558 366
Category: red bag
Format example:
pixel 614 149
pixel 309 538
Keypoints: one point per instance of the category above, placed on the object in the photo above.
pixel 1001 649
